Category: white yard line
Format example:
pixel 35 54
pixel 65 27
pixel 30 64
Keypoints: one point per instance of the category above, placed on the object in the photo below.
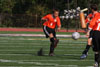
pixel 44 54
pixel 11 66
pixel 43 50
pixel 35 63
pixel 47 66
pixel 38 35
pixel 55 60
pixel 38 46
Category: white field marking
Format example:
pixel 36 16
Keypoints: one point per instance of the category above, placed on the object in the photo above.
pixel 35 63
pixel 20 43
pixel 64 41
pixel 61 43
pixel 64 47
pixel 89 66
pixel 74 42
pixel 43 50
pixel 67 60
pixel 22 39
pixel 1 60
pixel 47 66
pixel 42 39
pixel 38 35
pixel 11 66
pixel 44 54
pixel 40 46
pixel 38 63
pixel 36 45
pixel 46 40
pixel 77 54
pixel 21 62
pixel 55 60
pixel 14 54
pixel 74 54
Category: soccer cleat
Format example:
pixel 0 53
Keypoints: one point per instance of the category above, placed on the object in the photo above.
pixel 51 54
pixel 56 42
pixel 96 65
pixel 83 56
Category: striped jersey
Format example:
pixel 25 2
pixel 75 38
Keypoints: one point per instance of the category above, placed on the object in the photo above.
pixel 95 22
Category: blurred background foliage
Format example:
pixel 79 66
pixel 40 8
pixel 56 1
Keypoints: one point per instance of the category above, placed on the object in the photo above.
pixel 28 13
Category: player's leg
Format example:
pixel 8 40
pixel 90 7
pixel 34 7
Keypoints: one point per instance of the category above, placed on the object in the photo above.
pixel 89 44
pixel 52 36
pixel 96 59
pixel 48 33
pixel 55 38
pixel 96 47
pixel 85 52
pixel 52 40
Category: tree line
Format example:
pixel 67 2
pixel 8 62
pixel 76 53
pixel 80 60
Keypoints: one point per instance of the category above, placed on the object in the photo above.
pixel 27 13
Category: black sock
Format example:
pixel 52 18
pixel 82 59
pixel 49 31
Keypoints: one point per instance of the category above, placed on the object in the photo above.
pixel 52 45
pixel 97 58
pixel 52 40
pixel 86 49
pixel 51 48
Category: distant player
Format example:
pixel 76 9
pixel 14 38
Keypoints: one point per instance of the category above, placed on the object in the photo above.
pixel 95 26
pixel 89 44
pixel 51 22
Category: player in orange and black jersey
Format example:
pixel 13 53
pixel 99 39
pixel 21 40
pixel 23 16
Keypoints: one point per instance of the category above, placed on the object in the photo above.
pixel 89 43
pixel 95 26
pixel 51 22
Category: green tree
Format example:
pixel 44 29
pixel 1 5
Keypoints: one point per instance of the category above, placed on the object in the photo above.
pixel 6 6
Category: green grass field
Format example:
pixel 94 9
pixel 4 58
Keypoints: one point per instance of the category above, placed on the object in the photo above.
pixel 22 52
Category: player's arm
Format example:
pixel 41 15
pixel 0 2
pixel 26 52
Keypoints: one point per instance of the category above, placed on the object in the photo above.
pixel 87 20
pixel 91 24
pixel 58 24
pixel 44 19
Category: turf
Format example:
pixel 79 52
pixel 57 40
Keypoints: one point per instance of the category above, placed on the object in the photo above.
pixel 19 32
pixel 22 52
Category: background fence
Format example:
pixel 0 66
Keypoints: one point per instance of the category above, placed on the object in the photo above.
pixel 19 20
pixel 27 13
pixel 32 21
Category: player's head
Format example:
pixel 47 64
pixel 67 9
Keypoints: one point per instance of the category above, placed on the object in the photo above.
pixel 56 12
pixel 94 7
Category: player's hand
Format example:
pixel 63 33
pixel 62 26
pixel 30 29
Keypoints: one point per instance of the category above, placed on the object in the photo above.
pixel 44 20
pixel 58 29
pixel 87 34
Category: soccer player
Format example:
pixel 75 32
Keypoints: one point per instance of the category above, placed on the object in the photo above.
pixel 95 26
pixel 89 43
pixel 51 22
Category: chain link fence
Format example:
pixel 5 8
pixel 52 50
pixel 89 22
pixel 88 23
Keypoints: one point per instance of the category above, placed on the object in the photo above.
pixel 33 21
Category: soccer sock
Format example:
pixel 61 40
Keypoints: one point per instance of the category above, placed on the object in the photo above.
pixel 86 49
pixel 97 58
pixel 52 40
pixel 52 45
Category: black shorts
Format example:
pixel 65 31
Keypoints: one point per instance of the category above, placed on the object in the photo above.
pixel 96 40
pixel 48 31
pixel 91 34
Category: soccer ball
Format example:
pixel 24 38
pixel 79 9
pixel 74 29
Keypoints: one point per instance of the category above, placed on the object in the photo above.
pixel 75 35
